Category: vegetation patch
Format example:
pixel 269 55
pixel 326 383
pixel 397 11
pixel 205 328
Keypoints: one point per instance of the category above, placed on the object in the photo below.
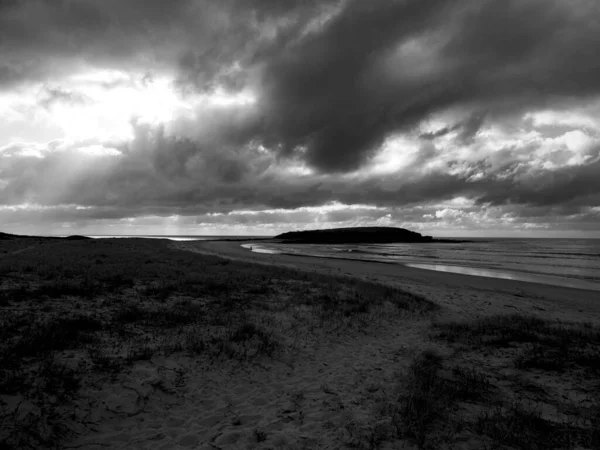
pixel 74 313
pixel 540 344
pixel 522 427
pixel 513 382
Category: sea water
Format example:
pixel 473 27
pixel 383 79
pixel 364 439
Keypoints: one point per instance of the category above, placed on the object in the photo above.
pixel 563 262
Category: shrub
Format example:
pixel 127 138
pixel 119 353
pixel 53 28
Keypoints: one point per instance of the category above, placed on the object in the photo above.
pixel 426 399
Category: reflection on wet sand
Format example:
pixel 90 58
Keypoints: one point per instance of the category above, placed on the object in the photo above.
pixel 566 282
pixel 260 249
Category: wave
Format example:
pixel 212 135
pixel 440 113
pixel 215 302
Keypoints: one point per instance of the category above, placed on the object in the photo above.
pixel 570 260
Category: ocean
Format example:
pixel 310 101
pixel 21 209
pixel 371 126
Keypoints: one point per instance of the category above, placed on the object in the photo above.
pixel 562 262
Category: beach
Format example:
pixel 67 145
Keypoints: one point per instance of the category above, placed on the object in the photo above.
pixel 299 225
pixel 155 344
pixel 461 296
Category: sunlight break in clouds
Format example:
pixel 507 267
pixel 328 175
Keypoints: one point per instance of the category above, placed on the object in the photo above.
pixel 106 112
pixel 205 110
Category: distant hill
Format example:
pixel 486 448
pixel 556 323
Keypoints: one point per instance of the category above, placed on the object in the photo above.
pixel 358 235
pixel 6 236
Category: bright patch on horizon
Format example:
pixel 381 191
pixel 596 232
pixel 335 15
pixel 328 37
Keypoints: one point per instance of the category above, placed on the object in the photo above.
pixel 329 207
pixel 38 207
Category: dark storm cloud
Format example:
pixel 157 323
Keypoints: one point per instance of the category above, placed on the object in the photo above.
pixel 330 93
pixel 431 135
pixel 468 129
pixel 579 185
pixel 471 127
pixel 327 95
pixel 333 96
pixel 333 80
pixel 44 38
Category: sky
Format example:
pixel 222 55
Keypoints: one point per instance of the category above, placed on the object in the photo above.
pixel 232 117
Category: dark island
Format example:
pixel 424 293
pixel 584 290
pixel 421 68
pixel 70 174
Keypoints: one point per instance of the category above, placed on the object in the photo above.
pixel 358 235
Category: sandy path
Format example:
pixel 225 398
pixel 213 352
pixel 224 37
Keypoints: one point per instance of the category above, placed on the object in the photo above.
pixel 459 295
pixel 321 399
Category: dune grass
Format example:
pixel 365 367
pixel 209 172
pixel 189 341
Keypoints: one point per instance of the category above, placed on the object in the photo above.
pixel 545 345
pixel 73 309
pixel 502 382
pixel 512 382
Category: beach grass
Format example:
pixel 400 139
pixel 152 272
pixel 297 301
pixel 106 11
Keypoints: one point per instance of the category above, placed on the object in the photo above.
pixel 75 310
pixel 511 381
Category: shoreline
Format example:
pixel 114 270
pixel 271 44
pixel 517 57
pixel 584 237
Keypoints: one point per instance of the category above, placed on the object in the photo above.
pixel 525 276
pixel 459 295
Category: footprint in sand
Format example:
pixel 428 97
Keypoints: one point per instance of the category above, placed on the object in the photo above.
pixel 242 390
pixel 228 439
pixel 250 418
pixel 190 440
pixel 210 421
pixel 175 422
pixel 259 402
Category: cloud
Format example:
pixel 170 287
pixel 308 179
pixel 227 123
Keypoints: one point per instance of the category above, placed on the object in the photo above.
pixel 333 97
pixel 386 103
pixel 468 129
pixel 58 95
pixel 157 172
pixel 332 77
